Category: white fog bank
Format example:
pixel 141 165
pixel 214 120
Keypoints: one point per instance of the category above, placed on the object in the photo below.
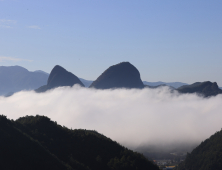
pixel 131 117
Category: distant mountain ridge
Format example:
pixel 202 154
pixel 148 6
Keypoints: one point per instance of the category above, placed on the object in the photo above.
pixel 172 84
pixel 40 71
pixel 122 75
pixel 87 83
pixel 206 88
pixel 17 78
pixel 176 85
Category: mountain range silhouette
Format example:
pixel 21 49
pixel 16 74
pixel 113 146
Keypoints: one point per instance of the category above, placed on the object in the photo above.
pixel 122 75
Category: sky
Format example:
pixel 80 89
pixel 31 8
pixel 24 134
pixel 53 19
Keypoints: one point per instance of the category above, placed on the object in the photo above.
pixel 166 41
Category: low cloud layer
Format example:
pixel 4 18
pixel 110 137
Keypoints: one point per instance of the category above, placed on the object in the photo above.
pixel 131 117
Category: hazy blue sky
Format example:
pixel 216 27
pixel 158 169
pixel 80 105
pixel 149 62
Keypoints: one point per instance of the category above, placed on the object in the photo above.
pixel 167 40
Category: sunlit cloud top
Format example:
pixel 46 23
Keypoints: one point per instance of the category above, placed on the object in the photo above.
pixel 132 117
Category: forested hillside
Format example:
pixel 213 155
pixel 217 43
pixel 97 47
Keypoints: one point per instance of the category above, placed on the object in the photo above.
pixel 207 156
pixel 39 143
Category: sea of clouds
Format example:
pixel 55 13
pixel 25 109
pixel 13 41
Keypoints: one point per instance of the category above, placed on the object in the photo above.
pixel 131 117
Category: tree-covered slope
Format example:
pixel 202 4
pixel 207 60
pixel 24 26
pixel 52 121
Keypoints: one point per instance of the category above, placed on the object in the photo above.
pixel 19 151
pixel 42 140
pixel 207 156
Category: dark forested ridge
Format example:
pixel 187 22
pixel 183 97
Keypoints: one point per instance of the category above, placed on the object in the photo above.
pixel 39 143
pixel 60 77
pixel 122 75
pixel 207 156
pixel 206 88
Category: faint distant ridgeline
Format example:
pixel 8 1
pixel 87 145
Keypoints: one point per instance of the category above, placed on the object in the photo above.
pixel 160 83
pixel 16 78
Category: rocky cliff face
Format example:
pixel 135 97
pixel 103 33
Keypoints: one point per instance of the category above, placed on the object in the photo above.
pixel 60 77
pixel 206 88
pixel 122 75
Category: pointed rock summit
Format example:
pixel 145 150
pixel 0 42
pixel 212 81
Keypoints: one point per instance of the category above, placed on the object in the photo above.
pixel 122 75
pixel 60 77
pixel 206 88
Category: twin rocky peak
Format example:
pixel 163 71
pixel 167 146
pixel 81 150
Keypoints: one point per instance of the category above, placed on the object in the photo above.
pixel 122 75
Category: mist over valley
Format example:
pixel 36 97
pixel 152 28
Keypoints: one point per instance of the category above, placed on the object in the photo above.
pixel 156 119
pixel 134 118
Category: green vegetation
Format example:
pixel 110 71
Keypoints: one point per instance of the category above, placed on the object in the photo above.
pixel 39 143
pixel 207 156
